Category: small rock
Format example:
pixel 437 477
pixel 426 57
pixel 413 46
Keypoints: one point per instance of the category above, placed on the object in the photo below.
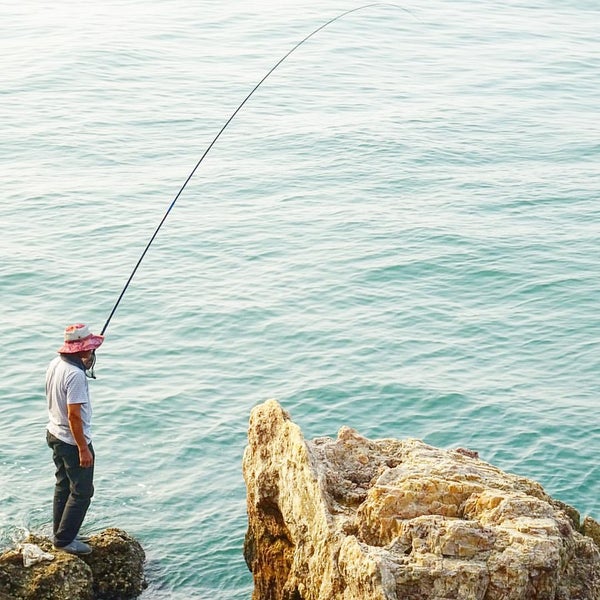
pixel 113 571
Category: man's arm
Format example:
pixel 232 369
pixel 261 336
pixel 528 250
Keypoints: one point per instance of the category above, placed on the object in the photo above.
pixel 76 425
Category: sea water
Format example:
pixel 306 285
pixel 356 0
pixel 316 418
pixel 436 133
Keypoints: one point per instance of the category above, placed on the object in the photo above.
pixel 398 232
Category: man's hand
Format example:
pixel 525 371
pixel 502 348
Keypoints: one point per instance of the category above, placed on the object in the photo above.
pixel 85 457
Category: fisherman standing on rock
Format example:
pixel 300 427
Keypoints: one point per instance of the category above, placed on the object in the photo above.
pixel 69 435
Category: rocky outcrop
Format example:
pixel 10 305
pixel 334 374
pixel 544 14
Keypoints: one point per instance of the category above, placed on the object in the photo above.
pixel 356 519
pixel 113 571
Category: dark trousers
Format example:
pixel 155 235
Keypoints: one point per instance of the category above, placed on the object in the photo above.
pixel 73 490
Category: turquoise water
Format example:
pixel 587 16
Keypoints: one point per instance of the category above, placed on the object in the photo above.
pixel 399 232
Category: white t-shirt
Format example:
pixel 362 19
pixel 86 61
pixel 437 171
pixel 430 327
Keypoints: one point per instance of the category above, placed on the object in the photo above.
pixel 67 384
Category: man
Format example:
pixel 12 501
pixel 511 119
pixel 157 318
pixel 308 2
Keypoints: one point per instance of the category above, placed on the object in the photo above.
pixel 69 435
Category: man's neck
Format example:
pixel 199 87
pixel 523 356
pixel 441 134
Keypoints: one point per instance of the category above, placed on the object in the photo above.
pixel 73 360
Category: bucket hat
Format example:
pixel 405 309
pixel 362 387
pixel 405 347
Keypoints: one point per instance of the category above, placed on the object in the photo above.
pixel 78 338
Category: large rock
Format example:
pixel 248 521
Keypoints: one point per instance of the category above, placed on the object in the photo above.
pixel 113 571
pixel 362 519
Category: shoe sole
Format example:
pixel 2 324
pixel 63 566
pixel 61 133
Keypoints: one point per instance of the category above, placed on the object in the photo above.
pixel 59 549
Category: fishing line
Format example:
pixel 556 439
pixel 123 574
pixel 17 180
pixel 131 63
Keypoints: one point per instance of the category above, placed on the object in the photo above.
pixel 235 112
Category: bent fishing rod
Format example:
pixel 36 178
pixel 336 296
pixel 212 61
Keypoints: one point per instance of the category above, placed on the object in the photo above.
pixel 212 143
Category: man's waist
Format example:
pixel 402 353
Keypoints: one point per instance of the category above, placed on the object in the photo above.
pixel 63 434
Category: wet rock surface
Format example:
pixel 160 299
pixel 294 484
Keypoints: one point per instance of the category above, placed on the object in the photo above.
pixel 352 518
pixel 113 571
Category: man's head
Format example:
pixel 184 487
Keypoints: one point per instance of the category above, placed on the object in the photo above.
pixel 79 340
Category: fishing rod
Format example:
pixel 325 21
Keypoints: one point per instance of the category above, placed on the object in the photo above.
pixel 235 112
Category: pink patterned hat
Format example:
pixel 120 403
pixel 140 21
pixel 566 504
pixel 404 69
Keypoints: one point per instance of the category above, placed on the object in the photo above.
pixel 78 338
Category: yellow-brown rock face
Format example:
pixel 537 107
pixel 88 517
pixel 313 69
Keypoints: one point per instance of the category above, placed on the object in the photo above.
pixel 359 519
